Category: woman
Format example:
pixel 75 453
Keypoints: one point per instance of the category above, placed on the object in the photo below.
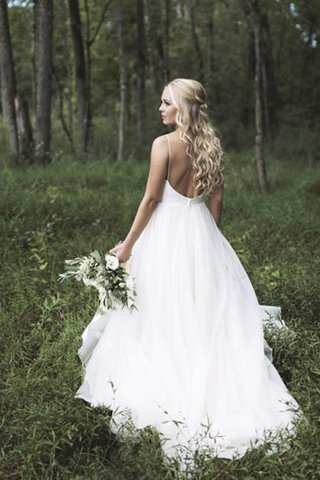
pixel 190 361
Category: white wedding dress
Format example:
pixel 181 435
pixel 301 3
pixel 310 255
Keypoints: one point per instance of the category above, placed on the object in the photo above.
pixel 191 361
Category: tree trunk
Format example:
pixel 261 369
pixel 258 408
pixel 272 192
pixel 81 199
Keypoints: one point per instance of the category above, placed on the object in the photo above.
pixel 157 52
pixel 269 79
pixel 166 37
pixel 34 56
pixel 81 73
pixel 196 41
pixel 259 96
pixel 212 81
pixel 141 70
pixel 43 117
pixel 89 68
pixel 69 83
pixel 259 144
pixel 24 128
pixel 122 81
pixel 251 9
pixel 249 78
pixel 150 52
pixel 210 62
pixel 8 80
pixel 60 100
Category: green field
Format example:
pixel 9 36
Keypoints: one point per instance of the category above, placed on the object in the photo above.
pixel 72 207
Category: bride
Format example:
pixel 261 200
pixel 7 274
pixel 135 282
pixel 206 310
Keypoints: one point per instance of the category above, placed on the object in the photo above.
pixel 190 361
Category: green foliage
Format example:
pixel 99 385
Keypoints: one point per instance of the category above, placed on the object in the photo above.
pixel 228 69
pixel 72 207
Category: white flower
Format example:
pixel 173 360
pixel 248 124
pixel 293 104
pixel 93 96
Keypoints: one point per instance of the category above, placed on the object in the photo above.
pixel 103 272
pixel 112 262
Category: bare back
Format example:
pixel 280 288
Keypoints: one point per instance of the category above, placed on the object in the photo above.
pixel 179 173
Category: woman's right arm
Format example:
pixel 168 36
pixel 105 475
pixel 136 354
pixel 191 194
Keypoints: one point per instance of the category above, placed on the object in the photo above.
pixel 216 202
pixel 152 196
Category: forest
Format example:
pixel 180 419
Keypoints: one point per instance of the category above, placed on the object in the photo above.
pixel 86 76
pixel 81 82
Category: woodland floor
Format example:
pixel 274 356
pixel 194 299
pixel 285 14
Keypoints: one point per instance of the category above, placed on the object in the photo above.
pixel 71 208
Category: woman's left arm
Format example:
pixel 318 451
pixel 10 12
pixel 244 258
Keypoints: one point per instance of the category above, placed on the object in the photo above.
pixel 152 195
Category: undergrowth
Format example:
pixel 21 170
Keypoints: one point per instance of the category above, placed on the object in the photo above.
pixel 73 207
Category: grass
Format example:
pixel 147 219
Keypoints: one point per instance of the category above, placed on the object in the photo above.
pixel 72 207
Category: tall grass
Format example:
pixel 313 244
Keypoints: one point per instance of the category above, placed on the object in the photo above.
pixel 71 207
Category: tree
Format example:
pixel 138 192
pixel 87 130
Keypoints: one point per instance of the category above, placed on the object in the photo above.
pixel 252 12
pixel 34 55
pixel 82 45
pixel 158 39
pixel 166 38
pixel 195 39
pixel 269 84
pixel 122 81
pixel 141 69
pixel 25 135
pixel 81 74
pixel 44 89
pixel 14 105
pixel 8 78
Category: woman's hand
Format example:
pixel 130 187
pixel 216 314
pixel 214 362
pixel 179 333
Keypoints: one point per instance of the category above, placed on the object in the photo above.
pixel 122 252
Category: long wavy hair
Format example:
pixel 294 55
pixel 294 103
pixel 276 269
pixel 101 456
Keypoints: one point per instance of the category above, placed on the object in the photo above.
pixel 196 130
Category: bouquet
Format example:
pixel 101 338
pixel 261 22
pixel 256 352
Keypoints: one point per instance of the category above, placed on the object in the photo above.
pixel 103 272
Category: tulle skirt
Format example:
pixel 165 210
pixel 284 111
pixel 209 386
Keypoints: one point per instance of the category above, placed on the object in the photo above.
pixel 191 360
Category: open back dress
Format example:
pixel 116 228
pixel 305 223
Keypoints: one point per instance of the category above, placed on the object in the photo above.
pixel 191 360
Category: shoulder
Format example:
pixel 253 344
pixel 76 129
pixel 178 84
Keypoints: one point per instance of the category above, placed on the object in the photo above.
pixel 160 142
pixel 159 147
pixel 159 151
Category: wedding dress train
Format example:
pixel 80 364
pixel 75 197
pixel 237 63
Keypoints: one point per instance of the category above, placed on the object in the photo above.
pixel 191 361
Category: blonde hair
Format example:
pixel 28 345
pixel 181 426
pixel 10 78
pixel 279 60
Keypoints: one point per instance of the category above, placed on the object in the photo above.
pixel 196 130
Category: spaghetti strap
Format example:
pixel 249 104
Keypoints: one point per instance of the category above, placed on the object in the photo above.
pixel 168 169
